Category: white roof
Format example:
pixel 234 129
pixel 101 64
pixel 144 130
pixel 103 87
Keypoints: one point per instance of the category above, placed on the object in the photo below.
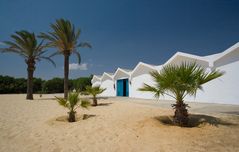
pixel 96 78
pixel 107 75
pixel 145 65
pixel 185 55
pixel 120 70
pixel 231 49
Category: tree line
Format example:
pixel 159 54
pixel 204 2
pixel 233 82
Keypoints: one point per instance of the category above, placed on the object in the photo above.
pixel 10 85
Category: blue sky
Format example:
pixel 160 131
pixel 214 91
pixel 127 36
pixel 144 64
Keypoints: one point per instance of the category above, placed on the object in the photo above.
pixel 123 32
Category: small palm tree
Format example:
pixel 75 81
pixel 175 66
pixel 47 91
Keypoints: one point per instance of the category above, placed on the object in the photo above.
pixel 178 82
pixel 72 103
pixel 64 37
pixel 26 45
pixel 94 91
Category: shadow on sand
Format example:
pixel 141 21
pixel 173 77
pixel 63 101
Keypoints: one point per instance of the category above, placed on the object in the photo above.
pixel 45 98
pixel 232 112
pixel 104 104
pixel 196 120
pixel 78 117
pixel 102 98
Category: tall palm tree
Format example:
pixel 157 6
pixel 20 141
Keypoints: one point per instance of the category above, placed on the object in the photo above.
pixel 72 103
pixel 25 44
pixel 94 91
pixel 178 82
pixel 64 37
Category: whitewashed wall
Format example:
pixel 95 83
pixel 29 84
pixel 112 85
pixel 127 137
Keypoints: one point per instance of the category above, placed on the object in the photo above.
pixel 109 86
pixel 96 84
pixel 222 90
pixel 138 82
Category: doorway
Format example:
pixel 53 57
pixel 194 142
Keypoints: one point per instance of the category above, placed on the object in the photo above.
pixel 123 87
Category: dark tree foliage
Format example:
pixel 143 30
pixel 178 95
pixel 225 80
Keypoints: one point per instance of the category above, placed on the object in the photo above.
pixel 21 85
pixel 80 83
pixel 7 84
pixel 18 85
pixel 56 85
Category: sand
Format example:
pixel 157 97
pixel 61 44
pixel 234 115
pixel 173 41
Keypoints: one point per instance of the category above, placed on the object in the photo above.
pixel 117 126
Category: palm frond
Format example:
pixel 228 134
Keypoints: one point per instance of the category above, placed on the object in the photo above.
pixel 85 103
pixel 48 59
pixel 210 76
pixel 64 36
pixel 94 91
pixel 78 56
pixel 73 99
pixel 61 101
pixel 178 81
pixel 55 53
pixel 156 91
pixel 25 44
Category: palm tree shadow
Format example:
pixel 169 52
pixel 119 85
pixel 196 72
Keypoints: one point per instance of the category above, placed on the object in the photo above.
pixel 46 99
pixel 196 120
pixel 102 98
pixel 86 116
pixel 232 112
pixel 78 117
pixel 104 104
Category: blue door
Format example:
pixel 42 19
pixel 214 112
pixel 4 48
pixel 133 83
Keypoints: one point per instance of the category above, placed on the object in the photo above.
pixel 119 87
pixel 123 87
pixel 126 87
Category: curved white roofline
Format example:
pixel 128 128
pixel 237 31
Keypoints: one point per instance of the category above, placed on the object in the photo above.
pixel 125 71
pixel 96 78
pixel 210 59
pixel 227 51
pixel 186 55
pixel 153 67
pixel 106 74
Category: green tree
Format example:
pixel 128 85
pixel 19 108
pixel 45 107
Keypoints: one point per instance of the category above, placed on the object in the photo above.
pixel 81 83
pixel 64 37
pixel 94 91
pixel 20 85
pixel 54 85
pixel 178 82
pixel 38 84
pixel 6 84
pixel 26 45
pixel 72 103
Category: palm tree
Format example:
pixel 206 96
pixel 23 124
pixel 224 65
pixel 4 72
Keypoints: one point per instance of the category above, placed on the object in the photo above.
pixel 64 37
pixel 94 91
pixel 72 103
pixel 25 44
pixel 178 82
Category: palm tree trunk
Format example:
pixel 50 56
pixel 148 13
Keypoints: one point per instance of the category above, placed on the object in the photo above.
pixel 181 113
pixel 72 116
pixel 66 73
pixel 95 103
pixel 30 71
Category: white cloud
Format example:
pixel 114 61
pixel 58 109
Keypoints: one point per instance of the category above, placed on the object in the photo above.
pixel 76 66
pixel 1 43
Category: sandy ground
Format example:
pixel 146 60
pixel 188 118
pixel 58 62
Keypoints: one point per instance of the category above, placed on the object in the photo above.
pixel 120 125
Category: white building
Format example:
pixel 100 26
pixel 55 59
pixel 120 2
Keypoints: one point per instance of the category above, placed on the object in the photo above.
pixel 222 90
pixel 139 76
pixel 96 80
pixel 122 82
pixel 107 82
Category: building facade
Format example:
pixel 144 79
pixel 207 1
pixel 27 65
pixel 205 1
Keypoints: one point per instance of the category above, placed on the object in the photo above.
pixel 223 90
